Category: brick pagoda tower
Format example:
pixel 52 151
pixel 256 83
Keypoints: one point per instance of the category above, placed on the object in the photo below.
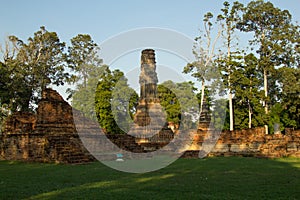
pixel 150 118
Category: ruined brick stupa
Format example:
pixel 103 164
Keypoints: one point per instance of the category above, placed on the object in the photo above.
pixel 150 119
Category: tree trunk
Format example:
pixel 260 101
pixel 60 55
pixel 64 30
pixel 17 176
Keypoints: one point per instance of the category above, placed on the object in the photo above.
pixel 202 95
pixel 230 110
pixel 250 116
pixel 265 78
pixel 266 96
pixel 249 107
pixel 229 86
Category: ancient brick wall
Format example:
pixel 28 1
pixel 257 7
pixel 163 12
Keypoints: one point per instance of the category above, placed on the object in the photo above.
pixel 66 148
pixel 54 114
pixel 251 142
pixel 20 122
pixel 48 136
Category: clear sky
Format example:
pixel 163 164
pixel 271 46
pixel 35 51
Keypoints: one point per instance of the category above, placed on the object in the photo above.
pixel 104 19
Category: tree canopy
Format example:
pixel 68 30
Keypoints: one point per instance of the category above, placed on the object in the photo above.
pixel 261 80
pixel 115 102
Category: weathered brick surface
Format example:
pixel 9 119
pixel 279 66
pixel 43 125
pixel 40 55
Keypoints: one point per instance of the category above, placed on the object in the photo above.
pixel 20 122
pixel 50 136
pixel 44 148
pixel 54 114
pixel 253 142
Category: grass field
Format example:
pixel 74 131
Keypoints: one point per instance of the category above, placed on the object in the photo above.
pixel 211 178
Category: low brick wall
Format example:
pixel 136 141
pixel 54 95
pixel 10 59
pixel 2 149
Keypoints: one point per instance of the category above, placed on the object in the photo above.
pixel 68 148
pixel 251 142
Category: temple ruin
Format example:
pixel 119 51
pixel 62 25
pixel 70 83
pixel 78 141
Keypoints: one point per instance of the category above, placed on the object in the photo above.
pixel 150 119
pixel 50 135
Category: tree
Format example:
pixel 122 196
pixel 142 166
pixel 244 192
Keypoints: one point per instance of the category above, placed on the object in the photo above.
pixel 230 17
pixel 220 114
pixel 4 93
pixel 14 85
pixel 4 90
pixel 36 65
pixel 123 103
pixel 107 96
pixel 203 68
pixel 83 58
pixel 180 102
pixel 13 89
pixel 275 36
pixel 289 81
pixel 246 86
pixel 169 102
pixel 44 58
pixel 86 67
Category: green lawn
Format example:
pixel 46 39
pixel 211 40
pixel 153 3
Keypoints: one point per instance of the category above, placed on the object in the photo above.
pixel 211 178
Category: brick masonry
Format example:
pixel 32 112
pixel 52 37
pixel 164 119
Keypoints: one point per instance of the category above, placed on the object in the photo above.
pixel 251 142
pixel 48 136
pixel 51 136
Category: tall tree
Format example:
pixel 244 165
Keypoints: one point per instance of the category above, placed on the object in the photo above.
pixel 4 93
pixel 86 67
pixel 83 58
pixel 289 81
pixel 274 34
pixel 108 101
pixel 230 17
pixel 15 90
pixel 170 103
pixel 246 86
pixel 36 64
pixel 123 103
pixel 220 114
pixel 204 50
pixel 44 58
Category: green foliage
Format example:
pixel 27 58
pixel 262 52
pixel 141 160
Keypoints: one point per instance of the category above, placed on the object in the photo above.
pixel 83 58
pixel 83 97
pixel 245 83
pixel 16 92
pixel 111 92
pixel 170 103
pixel 4 80
pixel 32 66
pixel 276 37
pixel 43 59
pixel 289 80
pixel 123 103
pixel 180 102
pixel 207 97
pixel 220 114
pixel 246 86
pixel 4 93
pixel 276 119
pixel 264 82
pixel 86 68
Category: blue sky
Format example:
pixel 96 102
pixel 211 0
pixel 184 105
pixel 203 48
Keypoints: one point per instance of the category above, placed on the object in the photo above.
pixel 104 19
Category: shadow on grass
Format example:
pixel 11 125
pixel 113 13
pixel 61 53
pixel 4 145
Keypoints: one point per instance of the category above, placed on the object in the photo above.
pixel 211 178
